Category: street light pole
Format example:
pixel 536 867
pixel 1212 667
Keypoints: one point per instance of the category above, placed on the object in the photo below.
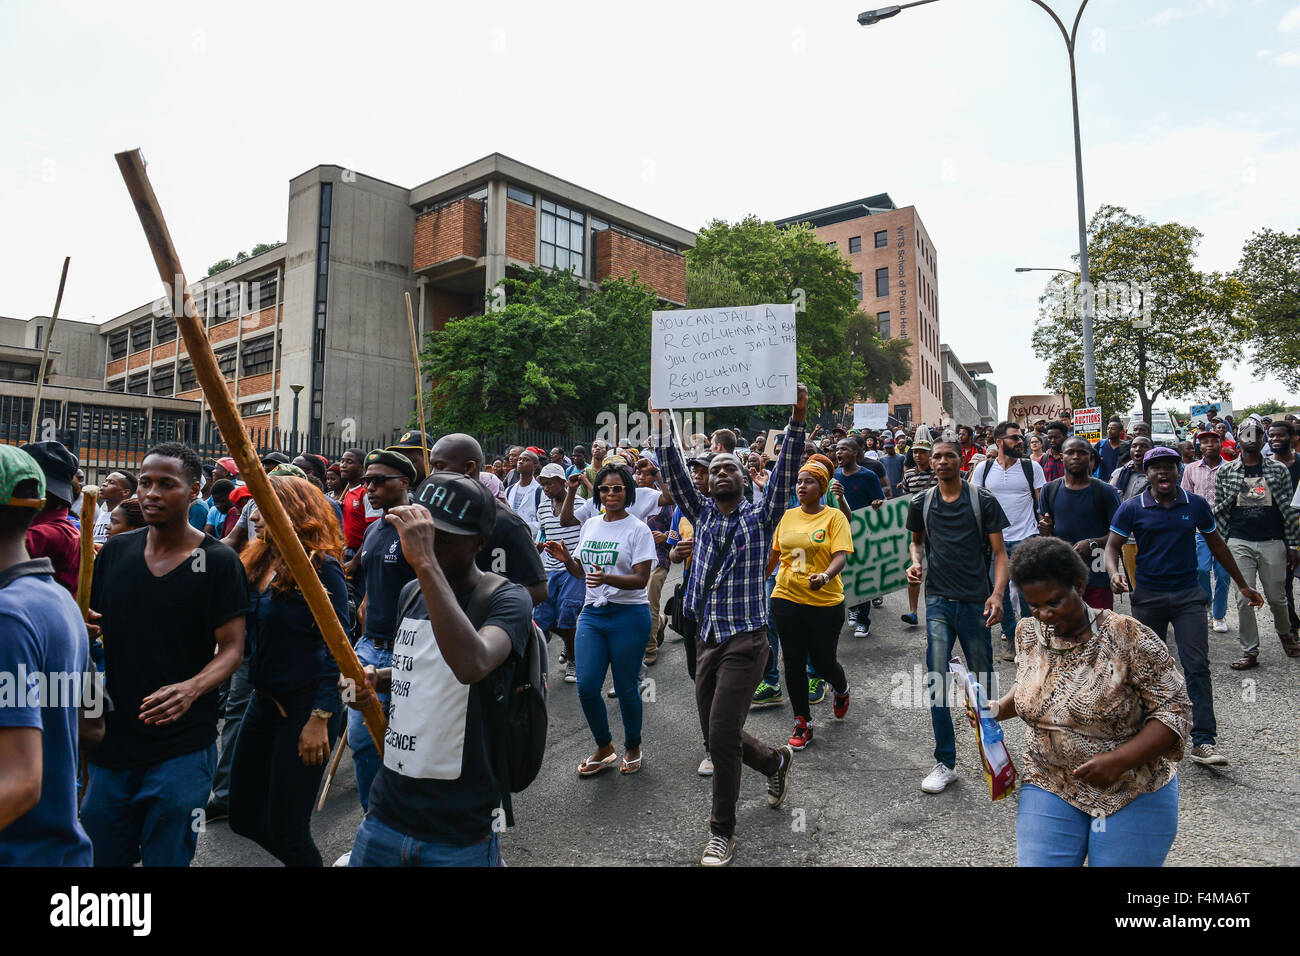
pixel 871 17
pixel 296 389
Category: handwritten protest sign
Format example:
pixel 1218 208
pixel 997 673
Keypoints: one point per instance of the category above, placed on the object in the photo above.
pixel 880 555
pixel 870 415
pixel 715 358
pixel 1027 409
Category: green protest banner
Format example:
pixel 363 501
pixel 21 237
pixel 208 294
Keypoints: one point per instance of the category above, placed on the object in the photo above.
pixel 880 555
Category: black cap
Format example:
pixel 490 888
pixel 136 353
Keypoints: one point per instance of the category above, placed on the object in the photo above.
pixel 393 459
pixel 411 439
pixel 271 459
pixel 459 504
pixel 702 460
pixel 59 466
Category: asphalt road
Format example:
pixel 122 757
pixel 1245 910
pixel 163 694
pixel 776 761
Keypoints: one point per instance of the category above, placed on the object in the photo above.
pixel 855 796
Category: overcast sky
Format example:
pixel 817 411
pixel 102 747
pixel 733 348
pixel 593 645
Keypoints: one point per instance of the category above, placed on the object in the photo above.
pixel 687 110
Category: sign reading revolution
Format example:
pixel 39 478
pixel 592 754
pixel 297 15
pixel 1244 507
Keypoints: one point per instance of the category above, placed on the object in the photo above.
pixel 714 358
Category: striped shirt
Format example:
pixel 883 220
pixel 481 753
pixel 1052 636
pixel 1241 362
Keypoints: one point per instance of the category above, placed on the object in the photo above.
pixel 551 530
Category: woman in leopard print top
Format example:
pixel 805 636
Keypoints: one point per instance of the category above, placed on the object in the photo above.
pixel 1107 719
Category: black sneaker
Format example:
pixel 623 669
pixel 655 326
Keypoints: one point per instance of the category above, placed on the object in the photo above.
pixel 776 784
pixel 215 810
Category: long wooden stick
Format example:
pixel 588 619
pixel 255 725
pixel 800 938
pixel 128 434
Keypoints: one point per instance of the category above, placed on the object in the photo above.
pixel 419 386
pixel 340 745
pixel 275 518
pixel 45 353
pixel 89 495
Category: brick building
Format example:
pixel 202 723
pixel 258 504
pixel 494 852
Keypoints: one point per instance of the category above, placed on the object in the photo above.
pixel 897 275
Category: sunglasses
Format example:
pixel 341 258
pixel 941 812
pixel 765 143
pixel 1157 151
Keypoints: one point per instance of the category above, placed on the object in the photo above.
pixel 610 489
pixel 369 480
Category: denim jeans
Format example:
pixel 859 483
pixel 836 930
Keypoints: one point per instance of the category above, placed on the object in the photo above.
pixel 148 814
pixel 1051 832
pixel 238 692
pixel 365 759
pixel 378 844
pixel 948 622
pixel 1205 565
pixel 1185 610
pixel 1008 606
pixel 611 637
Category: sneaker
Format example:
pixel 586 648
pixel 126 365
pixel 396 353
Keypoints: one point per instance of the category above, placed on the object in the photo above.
pixel 910 619
pixel 877 602
pixel 611 692
pixel 563 659
pixel 776 784
pixel 1220 626
pixel 1008 650
pixel 1206 754
pixel 937 780
pixel 816 690
pixel 215 810
pixel 718 851
pixel 706 765
pixel 570 673
pixel 840 704
pixel 802 735
pixel 650 659
pixel 767 695
pixel 344 860
pixel 862 628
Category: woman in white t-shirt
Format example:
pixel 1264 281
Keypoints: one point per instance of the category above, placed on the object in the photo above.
pixel 615 556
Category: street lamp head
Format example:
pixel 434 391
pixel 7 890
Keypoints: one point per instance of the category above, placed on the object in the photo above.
pixel 870 18
pixel 1023 269
pixel 297 388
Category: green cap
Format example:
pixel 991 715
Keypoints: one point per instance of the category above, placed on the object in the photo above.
pixel 290 471
pixel 393 459
pixel 17 466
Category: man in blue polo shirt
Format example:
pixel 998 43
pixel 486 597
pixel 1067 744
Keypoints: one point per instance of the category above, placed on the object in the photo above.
pixel 1164 519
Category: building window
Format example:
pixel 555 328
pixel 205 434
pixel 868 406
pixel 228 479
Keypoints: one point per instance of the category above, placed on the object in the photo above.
pixel 262 291
pixel 117 345
pixel 164 380
pixel 855 244
pixel 138 384
pixel 519 195
pixel 141 336
pixel 259 355
pixel 225 302
pixel 249 409
pixel 117 385
pixel 903 413
pixel 857 287
pixel 882 282
pixel 882 321
pixel 882 238
pixel 188 377
pixel 165 330
pixel 17 372
pixel 830 245
pixel 226 361
pixel 561 244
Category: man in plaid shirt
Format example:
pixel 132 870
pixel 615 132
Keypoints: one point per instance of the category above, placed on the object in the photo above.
pixel 726 596
pixel 1052 462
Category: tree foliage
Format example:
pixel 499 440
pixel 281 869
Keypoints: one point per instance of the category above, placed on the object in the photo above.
pixel 1269 407
pixel 751 262
pixel 1270 272
pixel 1140 270
pixel 240 256
pixel 553 355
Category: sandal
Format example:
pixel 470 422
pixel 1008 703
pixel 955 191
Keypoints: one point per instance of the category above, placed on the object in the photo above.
pixel 589 767
pixel 631 766
pixel 1246 662
pixel 1290 645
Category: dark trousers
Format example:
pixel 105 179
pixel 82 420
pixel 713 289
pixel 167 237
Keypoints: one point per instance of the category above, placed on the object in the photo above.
pixel 271 790
pixel 690 629
pixel 1185 610
pixel 1290 604
pixel 725 677
pixel 809 633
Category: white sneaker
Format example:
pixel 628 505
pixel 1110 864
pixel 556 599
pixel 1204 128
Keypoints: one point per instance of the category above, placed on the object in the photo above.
pixel 1220 626
pixel 344 860
pixel 570 673
pixel 706 765
pixel 937 780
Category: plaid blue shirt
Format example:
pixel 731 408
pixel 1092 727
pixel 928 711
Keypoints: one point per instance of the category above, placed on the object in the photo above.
pixel 738 600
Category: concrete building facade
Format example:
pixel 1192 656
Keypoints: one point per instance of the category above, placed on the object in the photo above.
pixel 960 393
pixel 897 273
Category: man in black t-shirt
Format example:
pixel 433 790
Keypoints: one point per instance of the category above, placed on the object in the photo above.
pixel 165 597
pixel 958 603
pixel 436 799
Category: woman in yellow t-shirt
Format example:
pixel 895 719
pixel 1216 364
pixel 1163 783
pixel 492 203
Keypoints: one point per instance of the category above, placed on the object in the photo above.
pixel 811 545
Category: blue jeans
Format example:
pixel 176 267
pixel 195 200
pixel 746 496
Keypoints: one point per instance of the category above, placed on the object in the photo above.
pixel 611 637
pixel 239 692
pixel 1051 832
pixel 1205 563
pixel 948 622
pixel 148 814
pixel 378 844
pixel 1008 609
pixel 365 759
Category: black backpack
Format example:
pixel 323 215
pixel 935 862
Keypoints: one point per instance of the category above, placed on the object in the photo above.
pixel 1095 485
pixel 517 719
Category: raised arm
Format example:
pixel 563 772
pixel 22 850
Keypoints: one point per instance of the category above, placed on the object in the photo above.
pixel 787 463
pixel 680 487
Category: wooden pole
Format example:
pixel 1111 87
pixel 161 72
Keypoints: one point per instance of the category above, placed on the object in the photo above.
pixel 89 495
pixel 45 353
pixel 340 745
pixel 419 386
pixel 222 405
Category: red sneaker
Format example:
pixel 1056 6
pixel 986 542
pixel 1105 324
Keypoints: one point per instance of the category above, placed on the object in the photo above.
pixel 840 704
pixel 802 735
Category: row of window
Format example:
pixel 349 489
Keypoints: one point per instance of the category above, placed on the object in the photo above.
pixel 17 372
pixel 855 242
pixel 220 303
pixel 258 357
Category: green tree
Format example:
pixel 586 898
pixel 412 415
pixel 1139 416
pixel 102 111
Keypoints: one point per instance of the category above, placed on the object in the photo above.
pixel 552 356
pixel 240 256
pixel 1270 272
pixel 752 261
pixel 1143 274
pixel 1269 407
